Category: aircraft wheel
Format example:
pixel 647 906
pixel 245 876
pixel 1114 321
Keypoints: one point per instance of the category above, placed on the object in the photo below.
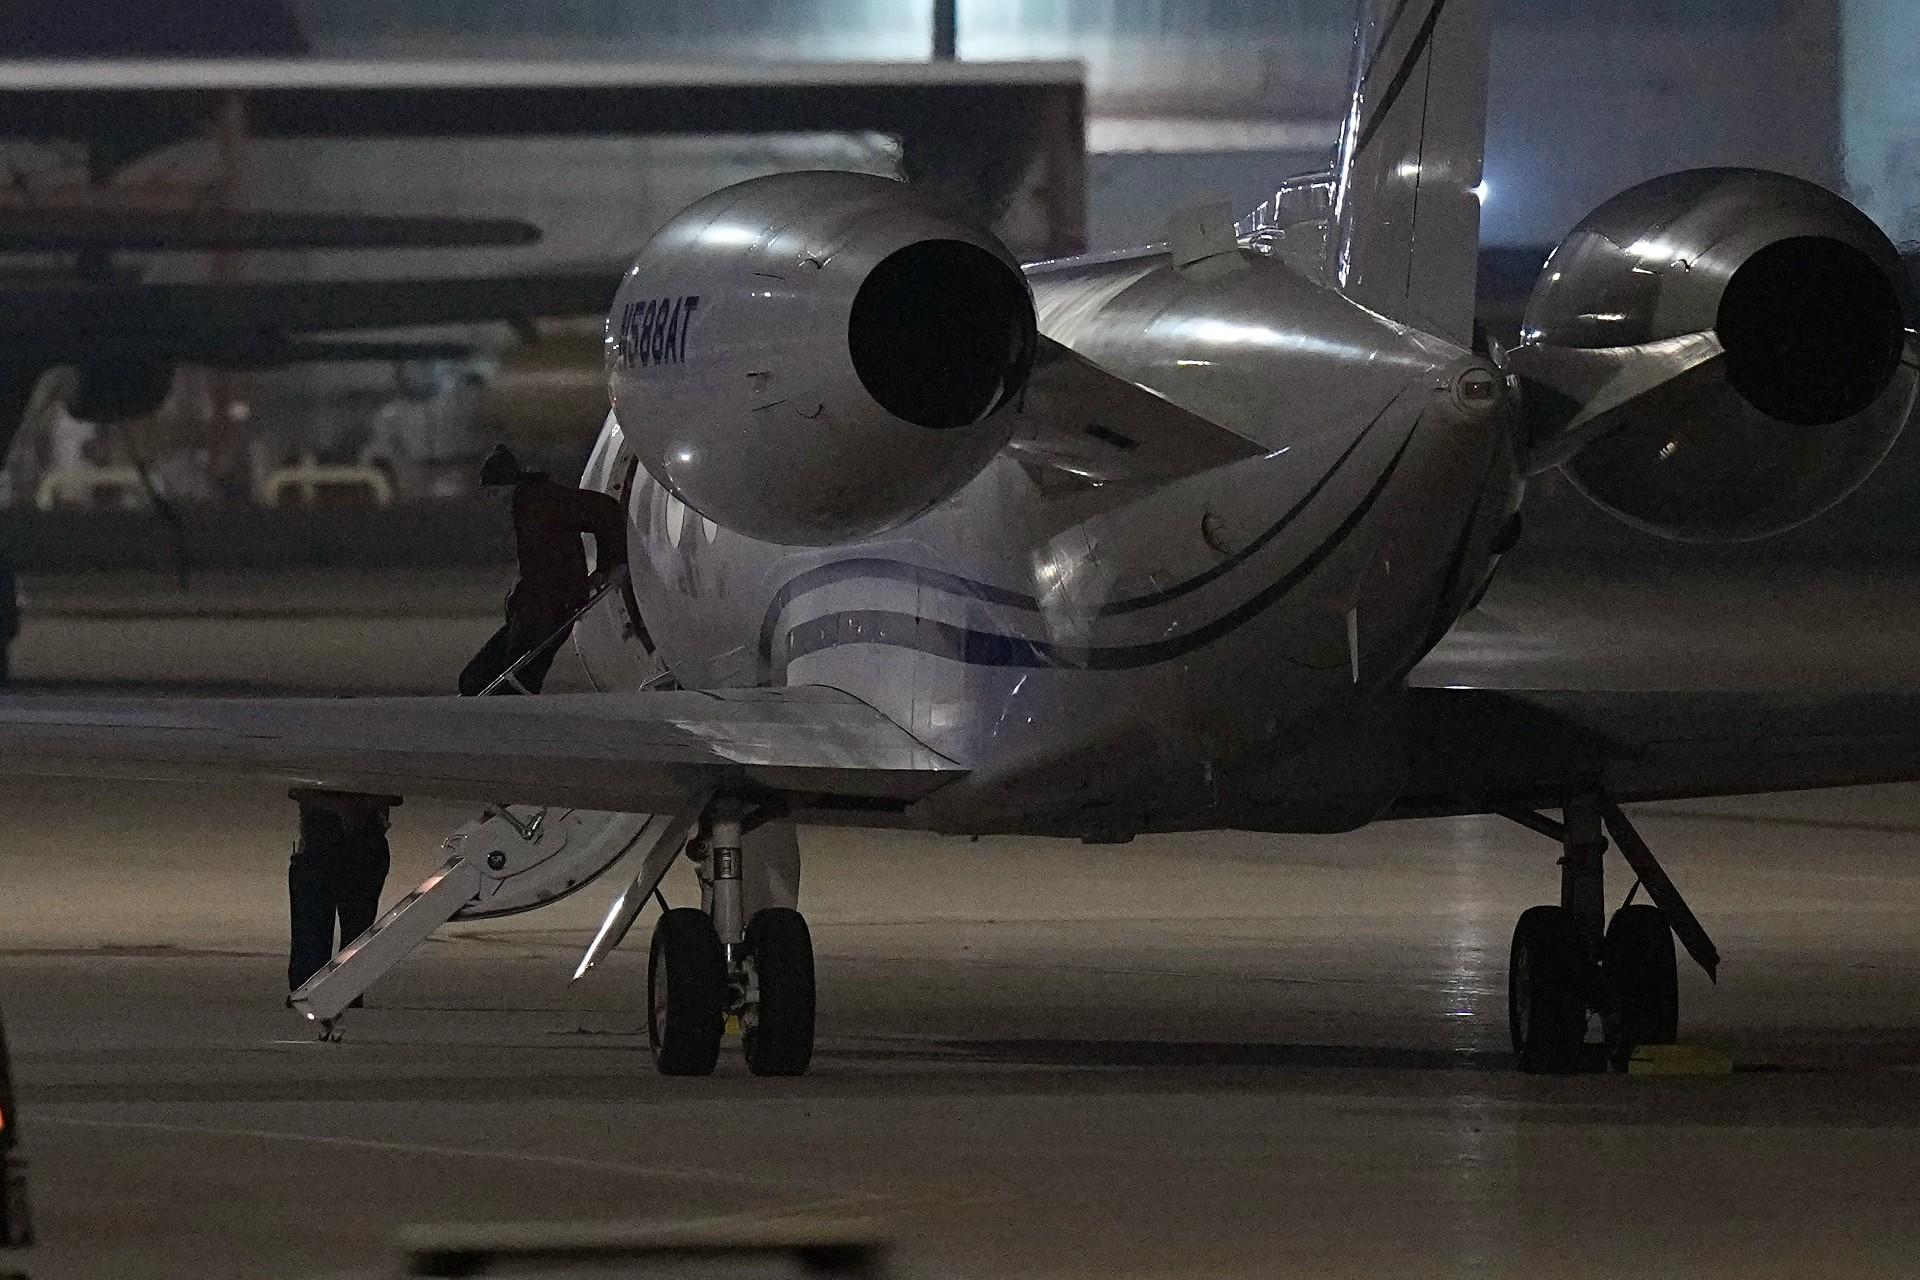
pixel 1643 981
pixel 686 993
pixel 779 1039
pixel 1546 996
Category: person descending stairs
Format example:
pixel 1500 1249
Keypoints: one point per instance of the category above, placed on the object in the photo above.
pixel 554 588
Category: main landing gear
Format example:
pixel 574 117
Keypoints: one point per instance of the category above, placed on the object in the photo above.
pixel 713 965
pixel 1570 961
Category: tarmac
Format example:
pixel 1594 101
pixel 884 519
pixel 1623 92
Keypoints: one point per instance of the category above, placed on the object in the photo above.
pixel 1221 1055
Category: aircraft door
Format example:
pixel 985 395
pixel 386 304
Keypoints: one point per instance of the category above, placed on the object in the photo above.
pixel 612 639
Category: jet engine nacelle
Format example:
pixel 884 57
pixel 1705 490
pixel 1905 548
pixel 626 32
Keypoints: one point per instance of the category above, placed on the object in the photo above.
pixel 815 357
pixel 1719 355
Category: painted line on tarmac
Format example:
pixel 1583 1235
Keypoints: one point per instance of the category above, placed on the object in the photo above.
pixel 582 1163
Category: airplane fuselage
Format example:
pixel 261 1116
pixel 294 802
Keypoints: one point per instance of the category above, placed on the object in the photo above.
pixel 1222 651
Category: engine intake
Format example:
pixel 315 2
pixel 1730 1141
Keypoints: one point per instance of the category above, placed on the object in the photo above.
pixel 816 357
pixel 1718 355
pixel 932 331
pixel 1813 330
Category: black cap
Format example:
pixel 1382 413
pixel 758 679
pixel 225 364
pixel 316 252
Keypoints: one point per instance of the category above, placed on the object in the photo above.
pixel 501 467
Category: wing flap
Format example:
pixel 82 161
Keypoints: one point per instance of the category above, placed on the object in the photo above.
pixel 1080 420
pixel 633 753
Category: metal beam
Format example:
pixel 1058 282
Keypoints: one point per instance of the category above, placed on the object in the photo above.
pixel 1660 888
pixel 946 30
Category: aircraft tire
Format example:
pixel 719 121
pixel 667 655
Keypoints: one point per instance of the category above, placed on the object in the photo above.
pixel 1643 981
pixel 780 1041
pixel 1546 997
pixel 686 993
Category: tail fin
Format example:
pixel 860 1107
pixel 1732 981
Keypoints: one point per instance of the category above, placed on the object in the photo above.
pixel 1407 205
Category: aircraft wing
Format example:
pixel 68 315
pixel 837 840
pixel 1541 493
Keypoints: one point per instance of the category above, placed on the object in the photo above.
pixel 635 753
pixel 1579 668
pixel 1476 749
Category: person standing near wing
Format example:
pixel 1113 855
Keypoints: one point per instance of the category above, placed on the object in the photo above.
pixel 338 869
pixel 548 521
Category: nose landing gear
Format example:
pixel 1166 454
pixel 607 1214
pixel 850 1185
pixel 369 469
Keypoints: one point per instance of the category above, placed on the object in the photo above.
pixel 711 967
pixel 1570 961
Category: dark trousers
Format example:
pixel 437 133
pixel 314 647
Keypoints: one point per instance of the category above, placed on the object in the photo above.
pixel 529 625
pixel 338 868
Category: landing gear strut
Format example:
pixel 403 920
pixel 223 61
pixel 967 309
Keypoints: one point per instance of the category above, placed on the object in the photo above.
pixel 1570 961
pixel 714 966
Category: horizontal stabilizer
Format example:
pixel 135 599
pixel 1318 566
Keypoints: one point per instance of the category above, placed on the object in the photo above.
pixel 81 230
pixel 1078 419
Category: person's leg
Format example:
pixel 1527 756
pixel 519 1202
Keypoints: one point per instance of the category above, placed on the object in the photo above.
pixel 312 883
pixel 531 626
pixel 369 861
pixel 366 875
pixel 495 656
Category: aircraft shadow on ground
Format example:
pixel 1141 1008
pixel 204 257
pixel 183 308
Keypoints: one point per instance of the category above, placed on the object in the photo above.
pixel 1188 1053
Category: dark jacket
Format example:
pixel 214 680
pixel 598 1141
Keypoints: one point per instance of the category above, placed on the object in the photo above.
pixel 548 520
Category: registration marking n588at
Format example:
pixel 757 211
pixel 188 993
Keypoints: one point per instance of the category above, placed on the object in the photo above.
pixel 655 331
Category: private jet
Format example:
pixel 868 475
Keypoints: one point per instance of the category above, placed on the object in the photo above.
pixel 924 538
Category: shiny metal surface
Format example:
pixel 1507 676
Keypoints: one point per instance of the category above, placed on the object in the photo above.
pixel 1654 262
pixel 1406 211
pixel 740 372
pixel 528 864
pixel 1108 652
pixel 1720 354
pixel 1077 419
pixel 1027 629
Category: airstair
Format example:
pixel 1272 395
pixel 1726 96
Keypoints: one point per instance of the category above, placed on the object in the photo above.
pixel 513 858
pixel 509 679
